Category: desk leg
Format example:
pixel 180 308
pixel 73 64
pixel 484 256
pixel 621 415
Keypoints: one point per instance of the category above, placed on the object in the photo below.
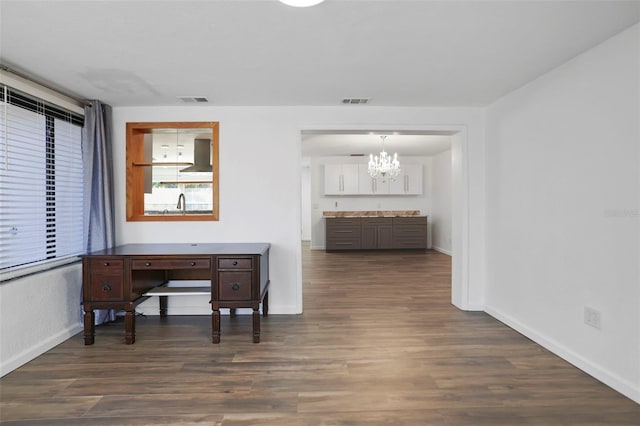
pixel 256 325
pixel 89 327
pixel 215 326
pixel 232 312
pixel 265 304
pixel 163 306
pixel 129 327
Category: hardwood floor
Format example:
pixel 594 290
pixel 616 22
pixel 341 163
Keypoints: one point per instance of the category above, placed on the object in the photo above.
pixel 378 344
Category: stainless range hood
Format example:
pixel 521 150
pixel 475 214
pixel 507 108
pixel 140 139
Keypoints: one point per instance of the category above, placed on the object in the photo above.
pixel 201 156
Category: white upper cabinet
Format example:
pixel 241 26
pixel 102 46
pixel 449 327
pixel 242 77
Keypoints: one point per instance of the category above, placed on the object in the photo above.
pixel 408 182
pixel 341 179
pixel 354 179
pixel 368 185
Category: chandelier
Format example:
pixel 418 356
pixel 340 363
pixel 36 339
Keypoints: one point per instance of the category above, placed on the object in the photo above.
pixel 383 165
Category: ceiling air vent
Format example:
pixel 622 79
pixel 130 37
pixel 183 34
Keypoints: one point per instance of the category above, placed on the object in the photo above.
pixel 193 99
pixel 355 101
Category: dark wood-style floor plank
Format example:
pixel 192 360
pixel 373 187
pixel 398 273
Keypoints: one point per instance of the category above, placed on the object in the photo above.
pixel 378 344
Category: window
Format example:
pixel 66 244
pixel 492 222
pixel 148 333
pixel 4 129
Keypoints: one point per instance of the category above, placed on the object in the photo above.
pixel 41 181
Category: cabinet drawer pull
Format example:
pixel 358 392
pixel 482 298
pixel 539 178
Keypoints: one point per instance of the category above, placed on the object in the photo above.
pixel 193 263
pixel 235 263
pixel 235 286
pixel 106 288
pixel 105 264
pixel 147 264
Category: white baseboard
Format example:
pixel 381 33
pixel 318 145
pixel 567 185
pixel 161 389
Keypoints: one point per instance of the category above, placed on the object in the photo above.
pixel 475 308
pixel 42 347
pixel 620 384
pixel 443 251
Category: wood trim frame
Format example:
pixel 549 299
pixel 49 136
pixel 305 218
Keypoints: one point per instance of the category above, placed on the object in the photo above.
pixel 135 178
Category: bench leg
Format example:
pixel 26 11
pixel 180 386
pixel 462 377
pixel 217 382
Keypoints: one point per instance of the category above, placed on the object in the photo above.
pixel 163 306
pixel 265 305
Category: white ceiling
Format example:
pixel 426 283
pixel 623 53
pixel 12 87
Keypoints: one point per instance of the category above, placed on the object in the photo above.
pixel 240 52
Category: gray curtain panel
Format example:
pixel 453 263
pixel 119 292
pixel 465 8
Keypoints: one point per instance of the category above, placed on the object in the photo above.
pixel 98 177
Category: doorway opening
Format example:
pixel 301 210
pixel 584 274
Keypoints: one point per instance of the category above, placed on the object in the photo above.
pixel 440 154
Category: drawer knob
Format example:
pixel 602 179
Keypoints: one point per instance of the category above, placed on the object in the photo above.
pixel 147 264
pixel 193 263
pixel 106 263
pixel 235 286
pixel 106 288
pixel 235 263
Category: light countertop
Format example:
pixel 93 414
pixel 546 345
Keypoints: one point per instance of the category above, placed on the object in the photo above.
pixel 372 213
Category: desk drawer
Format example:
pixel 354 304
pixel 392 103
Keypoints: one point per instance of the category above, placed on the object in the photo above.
pixel 234 263
pixel 165 264
pixel 106 287
pixel 234 285
pixel 106 264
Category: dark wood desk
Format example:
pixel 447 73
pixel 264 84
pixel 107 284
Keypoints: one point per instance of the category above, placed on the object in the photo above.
pixel 119 278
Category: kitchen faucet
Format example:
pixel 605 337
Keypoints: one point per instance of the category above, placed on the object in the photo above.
pixel 182 204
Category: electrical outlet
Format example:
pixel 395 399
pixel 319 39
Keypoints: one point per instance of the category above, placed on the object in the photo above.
pixel 592 317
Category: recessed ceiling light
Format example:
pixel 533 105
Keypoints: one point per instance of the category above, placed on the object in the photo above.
pixel 301 3
pixel 192 99
pixel 355 101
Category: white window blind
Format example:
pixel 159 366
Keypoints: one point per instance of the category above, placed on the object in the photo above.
pixel 41 181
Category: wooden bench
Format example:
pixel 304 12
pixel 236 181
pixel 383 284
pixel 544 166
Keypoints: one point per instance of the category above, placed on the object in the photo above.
pixel 166 290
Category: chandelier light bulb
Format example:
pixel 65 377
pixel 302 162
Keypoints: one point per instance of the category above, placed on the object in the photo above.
pixel 301 3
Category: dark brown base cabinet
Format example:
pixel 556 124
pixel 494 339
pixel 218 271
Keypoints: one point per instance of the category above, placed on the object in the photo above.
pixel 343 234
pixel 410 232
pixel 376 233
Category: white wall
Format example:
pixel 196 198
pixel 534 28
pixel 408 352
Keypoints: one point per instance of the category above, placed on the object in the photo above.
pixel 563 163
pixel 441 211
pixel 258 203
pixel 321 202
pixel 262 202
pixel 306 202
pixel 38 312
